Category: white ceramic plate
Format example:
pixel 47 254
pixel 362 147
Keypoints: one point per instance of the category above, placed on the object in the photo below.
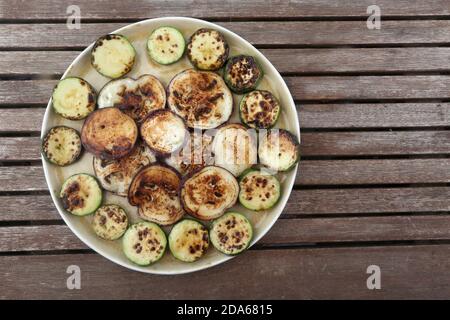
pixel 137 33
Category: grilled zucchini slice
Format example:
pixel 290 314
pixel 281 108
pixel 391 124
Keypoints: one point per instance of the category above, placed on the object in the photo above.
pixel 258 190
pixel 166 45
pixel 109 134
pixel 278 150
pixel 73 98
pixel 136 98
pixel 231 234
pixel 81 195
pixel 62 145
pixel 201 98
pixel 113 55
pixel 242 73
pixel 144 243
pixel 259 109
pixel 207 49
pixel 110 222
pixel 188 240
pixel 207 193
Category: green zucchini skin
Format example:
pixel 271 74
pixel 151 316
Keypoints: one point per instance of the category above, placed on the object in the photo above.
pixel 231 234
pixel 207 49
pixel 64 139
pixel 269 153
pixel 242 73
pixel 110 222
pixel 188 240
pixel 259 109
pixel 166 45
pixel 258 190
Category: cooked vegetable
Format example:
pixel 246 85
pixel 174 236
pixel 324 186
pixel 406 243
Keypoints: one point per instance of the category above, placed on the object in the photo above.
pixel 278 150
pixel 136 98
pixel 113 55
pixel 259 109
pixel 206 194
pixel 80 194
pixel 166 45
pixel 164 132
pixel 202 99
pixel 110 222
pixel 188 240
pixel 235 148
pixel 231 233
pixel 109 134
pixel 154 190
pixel 73 98
pixel 144 243
pixel 116 175
pixel 242 73
pixel 207 49
pixel 258 190
pixel 62 145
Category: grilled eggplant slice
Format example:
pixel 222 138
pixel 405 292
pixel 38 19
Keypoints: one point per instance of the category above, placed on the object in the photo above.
pixel 154 190
pixel 166 45
pixel 278 150
pixel 188 240
pixel 113 55
pixel 231 233
pixel 259 109
pixel 202 99
pixel 242 73
pixel 136 98
pixel 235 148
pixel 62 145
pixel 207 193
pixel 81 195
pixel 110 222
pixel 164 132
pixel 73 98
pixel 144 243
pixel 258 190
pixel 207 49
pixel 109 134
pixel 116 175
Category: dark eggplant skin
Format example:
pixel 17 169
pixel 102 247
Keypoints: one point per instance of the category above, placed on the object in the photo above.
pixel 222 58
pixel 233 78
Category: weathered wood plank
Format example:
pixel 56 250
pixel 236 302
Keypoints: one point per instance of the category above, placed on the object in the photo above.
pixel 21 119
pixel 20 149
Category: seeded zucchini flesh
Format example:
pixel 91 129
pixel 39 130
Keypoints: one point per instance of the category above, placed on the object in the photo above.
pixel 259 109
pixel 231 233
pixel 81 194
pixel 110 222
pixel 242 73
pixel 207 49
pixel 188 240
pixel 62 145
pixel 166 45
pixel 278 149
pixel 258 190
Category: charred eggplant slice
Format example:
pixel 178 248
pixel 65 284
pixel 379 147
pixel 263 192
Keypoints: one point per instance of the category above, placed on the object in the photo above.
pixel 231 234
pixel 258 190
pixel 207 193
pixel 164 132
pixel 73 98
pixel 113 55
pixel 110 222
pixel 116 175
pixel 202 99
pixel 62 145
pixel 144 243
pixel 207 49
pixel 136 98
pixel 278 150
pixel 235 148
pixel 81 195
pixel 166 45
pixel 109 134
pixel 242 73
pixel 259 109
pixel 188 240
pixel 154 190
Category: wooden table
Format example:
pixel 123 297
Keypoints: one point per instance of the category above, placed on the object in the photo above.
pixel 373 185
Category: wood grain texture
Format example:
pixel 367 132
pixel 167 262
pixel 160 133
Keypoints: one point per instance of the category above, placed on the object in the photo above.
pixel 21 119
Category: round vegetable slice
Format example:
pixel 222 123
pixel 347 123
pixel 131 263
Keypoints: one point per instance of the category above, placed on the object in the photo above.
pixel 207 49
pixel 73 98
pixel 242 73
pixel 110 222
pixel 144 243
pixel 81 195
pixel 166 45
pixel 113 55
pixel 109 134
pixel 62 145
pixel 231 233
pixel 258 190
pixel 278 150
pixel 259 109
pixel 207 193
pixel 188 240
